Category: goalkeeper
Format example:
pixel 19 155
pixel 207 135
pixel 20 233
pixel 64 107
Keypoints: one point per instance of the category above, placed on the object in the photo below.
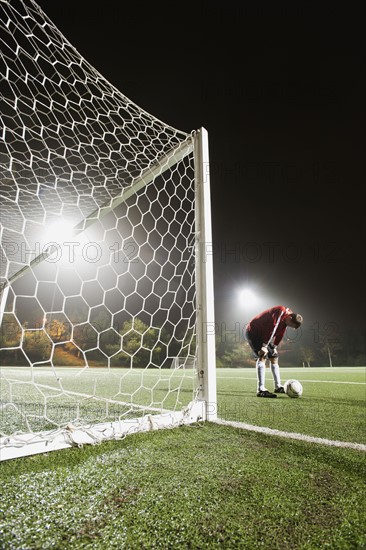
pixel 263 333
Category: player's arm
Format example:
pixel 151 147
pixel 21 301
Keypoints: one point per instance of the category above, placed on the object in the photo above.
pixel 279 314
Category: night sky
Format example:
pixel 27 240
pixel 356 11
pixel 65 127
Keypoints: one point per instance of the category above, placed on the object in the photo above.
pixel 280 90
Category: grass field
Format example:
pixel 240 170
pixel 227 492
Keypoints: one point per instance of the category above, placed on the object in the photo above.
pixel 46 398
pixel 332 405
pixel 206 486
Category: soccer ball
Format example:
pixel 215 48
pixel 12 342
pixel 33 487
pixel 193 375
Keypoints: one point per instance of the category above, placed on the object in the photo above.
pixel 293 388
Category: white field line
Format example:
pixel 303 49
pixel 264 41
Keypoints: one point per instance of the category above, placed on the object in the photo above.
pixel 332 381
pixel 325 370
pixel 292 435
pixel 229 373
pixel 303 380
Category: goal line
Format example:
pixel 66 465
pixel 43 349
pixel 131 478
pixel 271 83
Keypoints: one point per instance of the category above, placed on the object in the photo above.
pixel 292 435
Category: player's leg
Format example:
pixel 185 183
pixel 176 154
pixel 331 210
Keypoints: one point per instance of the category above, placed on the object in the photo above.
pixel 275 368
pixel 261 370
pixel 260 365
pixel 261 375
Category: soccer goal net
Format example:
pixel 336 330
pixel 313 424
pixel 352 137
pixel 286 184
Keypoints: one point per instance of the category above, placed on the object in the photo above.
pixel 106 309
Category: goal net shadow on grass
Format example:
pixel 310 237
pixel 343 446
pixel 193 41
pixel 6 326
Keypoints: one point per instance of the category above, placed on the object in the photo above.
pixel 104 216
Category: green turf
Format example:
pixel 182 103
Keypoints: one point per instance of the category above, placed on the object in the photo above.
pixel 190 488
pixel 206 486
pixel 45 398
pixel 331 406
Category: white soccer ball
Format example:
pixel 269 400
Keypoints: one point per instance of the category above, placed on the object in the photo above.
pixel 293 388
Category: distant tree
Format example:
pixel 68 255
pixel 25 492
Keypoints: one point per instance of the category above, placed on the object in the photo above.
pixel 308 355
pixel 101 321
pixel 140 343
pixel 353 349
pixel 190 343
pixel 10 337
pixel 10 333
pixel 58 330
pixel 37 345
pixel 330 351
pixel 232 351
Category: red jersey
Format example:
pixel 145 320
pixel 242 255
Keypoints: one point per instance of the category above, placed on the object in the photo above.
pixel 261 327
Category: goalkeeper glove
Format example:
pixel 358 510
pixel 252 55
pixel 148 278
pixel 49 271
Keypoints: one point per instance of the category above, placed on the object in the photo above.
pixel 263 352
pixel 272 350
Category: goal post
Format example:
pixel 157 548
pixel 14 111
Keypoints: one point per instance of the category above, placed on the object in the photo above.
pixel 106 254
pixel 205 289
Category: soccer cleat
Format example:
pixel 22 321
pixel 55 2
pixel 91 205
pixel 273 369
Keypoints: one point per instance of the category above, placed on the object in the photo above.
pixel 281 389
pixel 265 393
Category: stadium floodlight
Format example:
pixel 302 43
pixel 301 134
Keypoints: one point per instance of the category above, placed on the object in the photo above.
pixel 59 231
pixel 248 298
pixel 87 345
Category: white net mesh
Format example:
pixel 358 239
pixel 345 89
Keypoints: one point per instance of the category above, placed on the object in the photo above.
pixel 98 231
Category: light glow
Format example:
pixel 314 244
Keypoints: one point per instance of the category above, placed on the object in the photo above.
pixel 59 240
pixel 59 231
pixel 248 298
